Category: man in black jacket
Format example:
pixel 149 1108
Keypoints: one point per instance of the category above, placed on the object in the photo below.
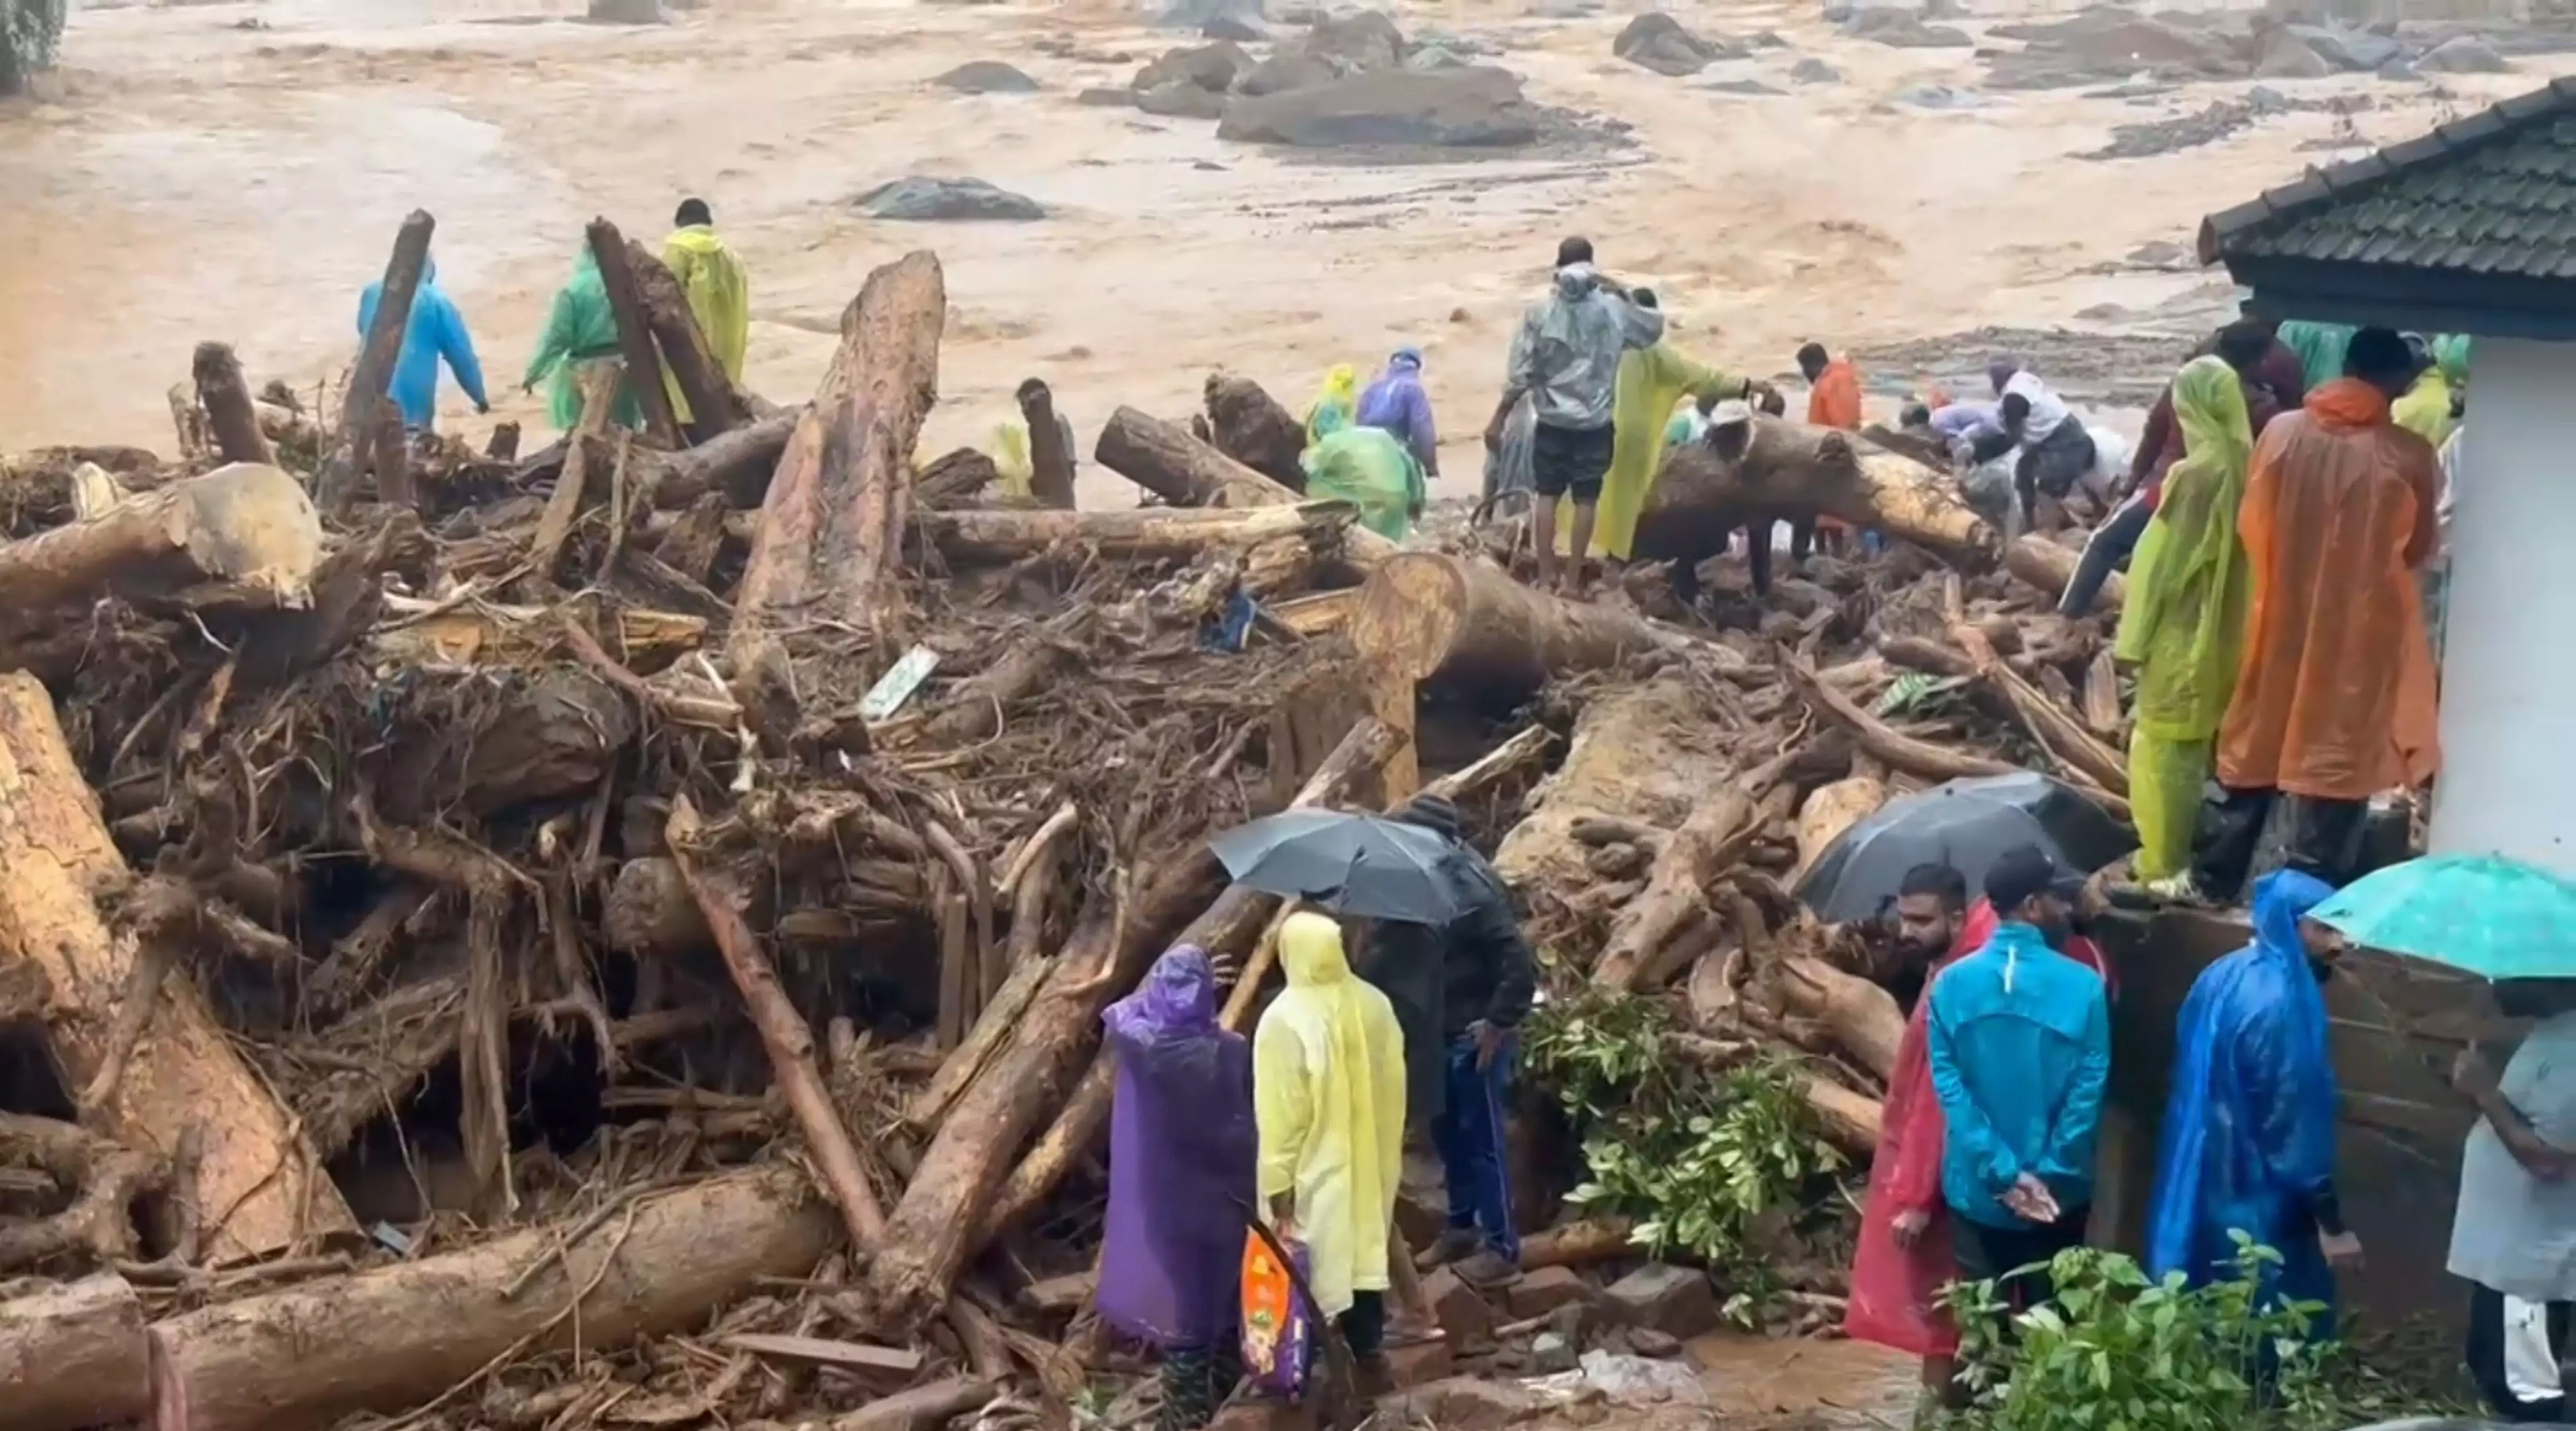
pixel 1460 991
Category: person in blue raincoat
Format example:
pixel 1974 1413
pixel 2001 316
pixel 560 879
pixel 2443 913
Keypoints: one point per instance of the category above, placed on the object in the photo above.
pixel 2249 1130
pixel 435 333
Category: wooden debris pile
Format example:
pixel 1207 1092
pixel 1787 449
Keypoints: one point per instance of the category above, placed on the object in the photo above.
pixel 616 935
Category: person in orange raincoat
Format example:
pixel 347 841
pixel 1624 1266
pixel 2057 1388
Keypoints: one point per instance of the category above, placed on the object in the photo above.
pixel 1833 400
pixel 2334 695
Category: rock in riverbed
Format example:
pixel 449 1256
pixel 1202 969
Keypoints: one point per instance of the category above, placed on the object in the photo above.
pixel 1476 107
pixel 928 200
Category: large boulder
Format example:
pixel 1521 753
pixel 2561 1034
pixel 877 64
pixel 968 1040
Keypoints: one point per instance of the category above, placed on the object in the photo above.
pixel 1904 29
pixel 1356 43
pixel 1200 14
pixel 1282 72
pixel 627 12
pixel 1658 42
pixel 988 77
pixel 2348 49
pixel 1180 99
pixel 2286 56
pixel 2463 55
pixel 1212 67
pixel 927 200
pixel 1814 71
pixel 1475 107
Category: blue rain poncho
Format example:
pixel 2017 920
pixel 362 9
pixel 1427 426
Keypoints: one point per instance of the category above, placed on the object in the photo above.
pixel 435 333
pixel 2249 1130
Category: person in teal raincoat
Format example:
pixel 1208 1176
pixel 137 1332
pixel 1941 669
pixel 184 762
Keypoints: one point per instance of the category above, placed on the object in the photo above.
pixel 581 331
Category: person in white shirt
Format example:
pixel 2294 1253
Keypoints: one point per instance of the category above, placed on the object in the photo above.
pixel 2055 450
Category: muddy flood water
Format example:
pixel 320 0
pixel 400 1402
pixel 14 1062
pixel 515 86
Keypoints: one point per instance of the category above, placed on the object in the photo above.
pixel 236 170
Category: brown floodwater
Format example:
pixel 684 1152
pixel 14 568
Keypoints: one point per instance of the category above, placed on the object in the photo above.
pixel 236 171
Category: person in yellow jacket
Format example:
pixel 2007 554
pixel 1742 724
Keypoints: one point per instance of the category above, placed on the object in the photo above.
pixel 1328 1097
pixel 1652 382
pixel 718 289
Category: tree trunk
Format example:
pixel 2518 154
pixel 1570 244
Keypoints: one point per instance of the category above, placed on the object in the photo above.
pixel 391 1337
pixel 1829 811
pixel 336 481
pixel 2050 566
pixel 225 395
pixel 1466 625
pixel 1050 454
pixel 248 533
pixel 1578 1244
pixel 1793 470
pixel 634 332
pixel 1850 1119
pixel 264 1190
pixel 74 1355
pixel 1862 1017
pixel 993 536
pixel 833 517
pixel 1252 428
pixel 715 406
pixel 650 913
pixel 976 709
pixel 1888 747
pixel 1675 899
pixel 738 465
pixel 956 478
pixel 1165 460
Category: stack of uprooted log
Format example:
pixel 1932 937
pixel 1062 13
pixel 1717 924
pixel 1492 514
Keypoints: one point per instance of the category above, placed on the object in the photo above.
pixel 463 913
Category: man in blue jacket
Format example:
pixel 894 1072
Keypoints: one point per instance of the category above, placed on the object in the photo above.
pixel 2020 1046
pixel 435 332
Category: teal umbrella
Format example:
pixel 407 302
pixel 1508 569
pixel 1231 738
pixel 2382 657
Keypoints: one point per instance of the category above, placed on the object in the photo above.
pixel 2481 914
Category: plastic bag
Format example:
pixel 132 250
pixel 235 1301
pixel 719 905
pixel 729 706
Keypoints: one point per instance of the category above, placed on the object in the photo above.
pixel 1277 1325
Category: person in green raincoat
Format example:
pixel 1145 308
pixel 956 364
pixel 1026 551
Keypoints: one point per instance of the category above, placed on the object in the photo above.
pixel 580 332
pixel 1368 468
pixel 2320 347
pixel 1652 383
pixel 2184 624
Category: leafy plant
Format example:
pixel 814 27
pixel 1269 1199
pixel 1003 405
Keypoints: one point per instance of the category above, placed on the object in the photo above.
pixel 1698 1160
pixel 2114 1350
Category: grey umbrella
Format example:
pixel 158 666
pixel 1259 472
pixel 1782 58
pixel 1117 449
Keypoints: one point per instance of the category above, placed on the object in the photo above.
pixel 1964 824
pixel 1362 865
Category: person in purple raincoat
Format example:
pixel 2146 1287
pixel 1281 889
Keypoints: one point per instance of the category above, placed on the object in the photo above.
pixel 1182 1147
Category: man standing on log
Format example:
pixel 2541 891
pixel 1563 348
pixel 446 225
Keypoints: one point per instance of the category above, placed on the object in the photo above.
pixel 1475 976
pixel 718 289
pixel 434 333
pixel 2019 1041
pixel 2334 697
pixel 1566 357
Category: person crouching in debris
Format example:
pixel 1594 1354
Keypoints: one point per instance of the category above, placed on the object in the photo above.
pixel 1181 1152
pixel 1480 980
pixel 1328 1095
pixel 2055 450
pixel 2334 698
pixel 2019 1042
pixel 1566 358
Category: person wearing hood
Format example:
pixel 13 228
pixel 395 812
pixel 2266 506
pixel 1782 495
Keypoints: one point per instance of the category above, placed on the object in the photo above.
pixel 1652 382
pixel 2430 409
pixel 1566 358
pixel 2019 1043
pixel 580 336
pixel 1181 1151
pixel 1395 403
pixel 2249 1130
pixel 434 333
pixel 2334 698
pixel 1460 991
pixel 1328 1098
pixel 713 278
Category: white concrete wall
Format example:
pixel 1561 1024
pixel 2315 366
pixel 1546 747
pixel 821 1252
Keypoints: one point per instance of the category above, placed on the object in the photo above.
pixel 2508 782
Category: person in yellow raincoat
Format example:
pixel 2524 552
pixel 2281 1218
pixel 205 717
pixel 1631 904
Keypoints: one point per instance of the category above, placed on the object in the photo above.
pixel 2426 409
pixel 1652 383
pixel 2184 625
pixel 718 289
pixel 1328 1097
pixel 1337 406
pixel 2334 699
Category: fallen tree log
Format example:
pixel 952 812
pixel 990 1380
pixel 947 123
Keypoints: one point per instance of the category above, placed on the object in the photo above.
pixel 833 517
pixel 386 1339
pixel 1250 426
pixel 713 405
pixel 230 411
pixel 1862 1018
pixel 1579 1244
pixel 650 913
pixel 1677 883
pixel 1850 1119
pixel 74 1355
pixel 1830 810
pixel 994 536
pixel 738 465
pixel 1166 460
pixel 1466 625
pixel 262 1187
pixel 335 481
pixel 2050 566
pixel 1050 448
pixel 241 535
pixel 1890 748
pixel 1791 470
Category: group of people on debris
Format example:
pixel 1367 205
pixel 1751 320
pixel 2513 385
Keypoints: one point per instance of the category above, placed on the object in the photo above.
pixel 580 333
pixel 1304 1126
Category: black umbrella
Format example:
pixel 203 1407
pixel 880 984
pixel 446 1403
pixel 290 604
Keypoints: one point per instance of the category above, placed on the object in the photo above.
pixel 1964 824
pixel 1361 865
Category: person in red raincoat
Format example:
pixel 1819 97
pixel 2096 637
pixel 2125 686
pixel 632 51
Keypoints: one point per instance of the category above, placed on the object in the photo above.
pixel 1903 1259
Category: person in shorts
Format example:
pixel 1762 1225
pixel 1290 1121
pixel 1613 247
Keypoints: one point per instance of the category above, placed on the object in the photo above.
pixel 1565 358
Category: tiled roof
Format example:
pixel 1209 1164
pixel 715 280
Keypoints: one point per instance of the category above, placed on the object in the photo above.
pixel 2492 194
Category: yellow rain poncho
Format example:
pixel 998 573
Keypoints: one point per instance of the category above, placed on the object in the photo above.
pixel 719 291
pixel 2426 408
pixel 1336 406
pixel 2184 625
pixel 1328 1093
pixel 1652 382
